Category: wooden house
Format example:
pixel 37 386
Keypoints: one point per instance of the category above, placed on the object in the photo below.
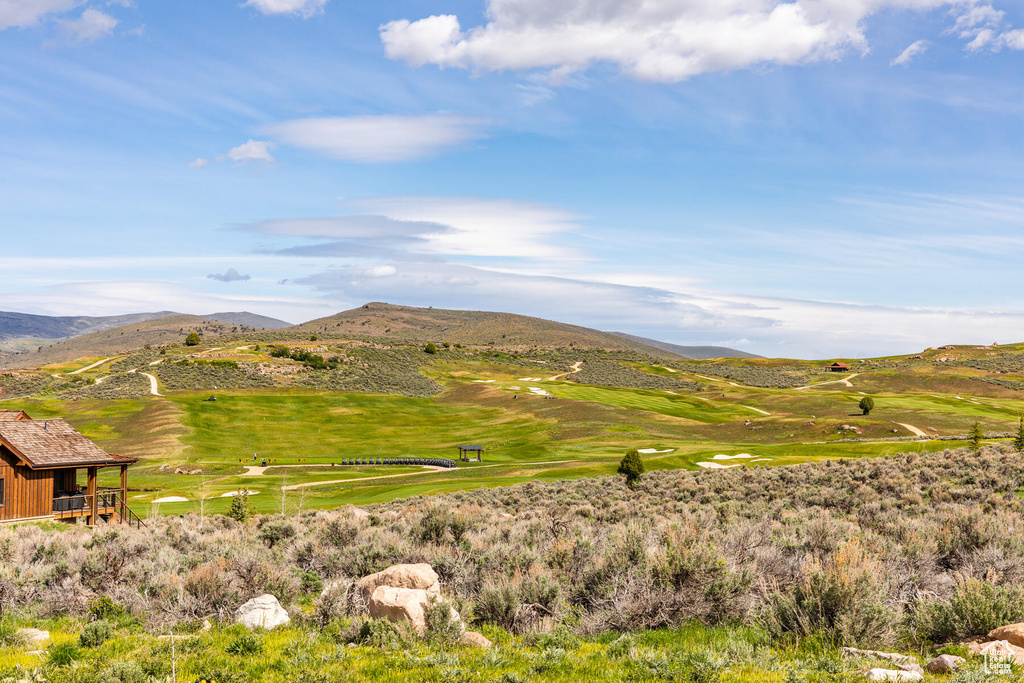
pixel 839 367
pixel 39 464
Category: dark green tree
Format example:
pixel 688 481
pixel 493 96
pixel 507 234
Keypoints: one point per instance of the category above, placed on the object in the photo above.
pixel 431 347
pixel 867 404
pixel 976 436
pixel 1018 441
pixel 631 467
pixel 193 339
pixel 239 509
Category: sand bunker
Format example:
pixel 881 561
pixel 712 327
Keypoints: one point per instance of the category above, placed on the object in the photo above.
pixel 537 391
pixel 232 494
pixel 733 457
pixel 530 379
pixel 483 381
pixel 648 451
pixel 171 499
pixel 715 465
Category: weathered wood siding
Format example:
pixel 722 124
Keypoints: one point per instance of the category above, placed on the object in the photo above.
pixel 27 493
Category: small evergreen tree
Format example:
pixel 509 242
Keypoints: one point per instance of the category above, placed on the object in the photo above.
pixel 867 404
pixel 431 348
pixel 193 339
pixel 240 510
pixel 631 467
pixel 976 436
pixel 1018 441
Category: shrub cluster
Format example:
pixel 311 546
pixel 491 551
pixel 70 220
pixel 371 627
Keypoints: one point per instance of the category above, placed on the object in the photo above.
pixel 752 376
pixel 611 374
pixel 112 387
pixel 217 374
pixel 863 552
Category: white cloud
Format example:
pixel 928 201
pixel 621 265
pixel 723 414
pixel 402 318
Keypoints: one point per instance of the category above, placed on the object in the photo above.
pixel 379 138
pixel 90 27
pixel 21 13
pixel 199 163
pixel 1014 39
pixel 380 271
pixel 253 150
pixel 913 50
pixel 302 8
pixel 121 3
pixel 651 40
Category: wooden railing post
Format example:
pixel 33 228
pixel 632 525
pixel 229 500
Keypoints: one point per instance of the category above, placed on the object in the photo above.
pixel 91 497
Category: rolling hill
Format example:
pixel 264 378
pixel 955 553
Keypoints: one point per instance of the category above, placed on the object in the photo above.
pixel 124 339
pixel 471 328
pixel 24 331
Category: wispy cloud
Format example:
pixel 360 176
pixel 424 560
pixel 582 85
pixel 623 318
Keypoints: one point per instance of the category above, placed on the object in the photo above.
pixel 88 28
pixel 22 13
pixel 301 8
pixel 377 139
pixel 914 50
pixel 199 163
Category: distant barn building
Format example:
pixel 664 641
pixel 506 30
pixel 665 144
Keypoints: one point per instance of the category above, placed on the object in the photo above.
pixel 466 451
pixel 839 367
pixel 39 463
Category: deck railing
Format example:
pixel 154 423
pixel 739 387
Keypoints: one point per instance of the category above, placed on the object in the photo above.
pixel 108 502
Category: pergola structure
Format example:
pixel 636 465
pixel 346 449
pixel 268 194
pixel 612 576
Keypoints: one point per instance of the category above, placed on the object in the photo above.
pixel 465 451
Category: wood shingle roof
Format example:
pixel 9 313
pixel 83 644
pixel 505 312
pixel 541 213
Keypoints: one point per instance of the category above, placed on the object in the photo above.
pixel 44 444
pixel 13 415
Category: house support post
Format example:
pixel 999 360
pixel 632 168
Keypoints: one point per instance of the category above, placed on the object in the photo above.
pixel 91 492
pixel 124 492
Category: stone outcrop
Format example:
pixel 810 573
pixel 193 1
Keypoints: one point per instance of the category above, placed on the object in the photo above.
pixel 400 605
pixel 1013 634
pixel 262 612
pixel 474 639
pixel 412 576
pixel 998 648
pixel 944 664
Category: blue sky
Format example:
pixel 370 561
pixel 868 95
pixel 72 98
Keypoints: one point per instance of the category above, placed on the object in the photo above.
pixel 810 178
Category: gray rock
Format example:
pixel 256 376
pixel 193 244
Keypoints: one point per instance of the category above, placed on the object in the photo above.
pixel 944 664
pixel 262 612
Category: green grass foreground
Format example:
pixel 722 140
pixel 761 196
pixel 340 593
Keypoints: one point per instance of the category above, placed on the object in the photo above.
pixel 231 654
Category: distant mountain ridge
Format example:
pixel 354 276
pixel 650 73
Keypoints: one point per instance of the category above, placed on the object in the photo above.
pixel 26 331
pixel 692 352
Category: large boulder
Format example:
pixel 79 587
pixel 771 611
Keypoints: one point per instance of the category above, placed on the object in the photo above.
pixel 412 576
pixel 403 605
pixel 474 639
pixel 944 664
pixel 262 612
pixel 889 675
pixel 999 649
pixel 32 637
pixel 1013 634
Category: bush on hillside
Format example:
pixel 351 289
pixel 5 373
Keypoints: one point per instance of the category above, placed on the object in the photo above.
pixel 193 339
pixel 631 467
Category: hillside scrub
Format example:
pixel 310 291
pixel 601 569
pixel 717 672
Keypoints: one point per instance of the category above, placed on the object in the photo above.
pixel 752 376
pixel 871 552
pixel 611 374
